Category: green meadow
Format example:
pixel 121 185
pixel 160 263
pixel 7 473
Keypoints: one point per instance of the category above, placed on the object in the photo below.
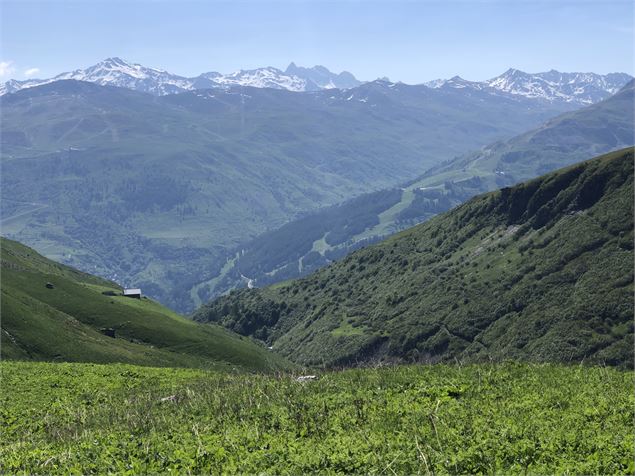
pixel 444 419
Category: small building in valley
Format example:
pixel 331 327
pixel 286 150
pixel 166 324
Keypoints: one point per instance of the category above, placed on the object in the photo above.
pixel 132 292
pixel 108 331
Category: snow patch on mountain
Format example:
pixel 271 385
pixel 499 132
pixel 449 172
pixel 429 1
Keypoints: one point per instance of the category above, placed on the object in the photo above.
pixel 262 78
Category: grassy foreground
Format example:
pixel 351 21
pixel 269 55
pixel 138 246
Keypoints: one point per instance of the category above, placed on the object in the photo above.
pixel 508 418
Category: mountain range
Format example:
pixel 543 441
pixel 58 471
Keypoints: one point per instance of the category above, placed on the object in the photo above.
pixel 554 86
pixel 118 72
pixel 541 271
pixel 314 240
pixel 582 88
pixel 159 191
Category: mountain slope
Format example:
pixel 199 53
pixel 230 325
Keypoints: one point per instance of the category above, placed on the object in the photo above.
pixel 312 241
pixel 53 312
pixel 541 271
pixel 563 140
pixel 158 191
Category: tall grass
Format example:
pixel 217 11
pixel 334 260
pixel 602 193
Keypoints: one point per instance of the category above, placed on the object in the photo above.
pixel 507 418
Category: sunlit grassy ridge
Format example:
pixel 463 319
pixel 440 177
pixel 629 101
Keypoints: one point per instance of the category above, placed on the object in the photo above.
pixel 506 419
pixel 64 322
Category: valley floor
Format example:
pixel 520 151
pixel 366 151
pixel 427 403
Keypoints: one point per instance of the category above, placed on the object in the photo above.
pixel 507 418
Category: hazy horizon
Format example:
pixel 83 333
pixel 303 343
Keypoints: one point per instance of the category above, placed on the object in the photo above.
pixel 405 41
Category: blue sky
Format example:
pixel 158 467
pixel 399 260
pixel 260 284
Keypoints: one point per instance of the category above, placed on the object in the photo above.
pixel 410 41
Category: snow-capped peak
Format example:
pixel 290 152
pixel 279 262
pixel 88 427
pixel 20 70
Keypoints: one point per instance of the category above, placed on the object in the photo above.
pixel 109 70
pixel 115 72
pixel 582 88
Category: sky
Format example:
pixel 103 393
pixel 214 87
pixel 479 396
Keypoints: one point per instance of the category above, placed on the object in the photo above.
pixel 409 41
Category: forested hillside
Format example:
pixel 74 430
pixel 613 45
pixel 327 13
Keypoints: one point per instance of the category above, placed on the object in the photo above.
pixel 542 271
